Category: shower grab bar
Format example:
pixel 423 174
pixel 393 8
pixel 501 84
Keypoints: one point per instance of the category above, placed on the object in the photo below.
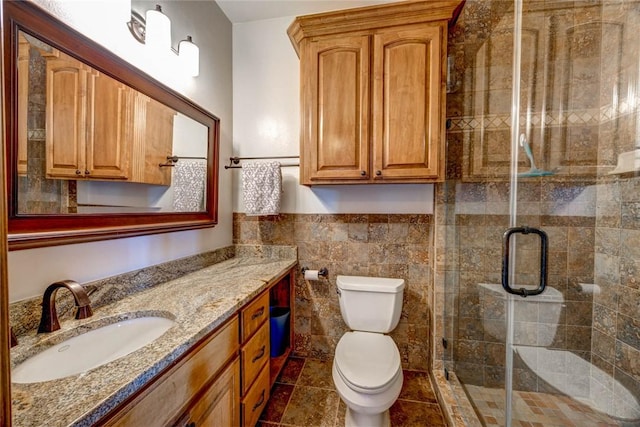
pixel 506 250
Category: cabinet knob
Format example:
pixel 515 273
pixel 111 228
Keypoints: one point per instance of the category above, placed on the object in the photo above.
pixel 86 172
pixel 363 173
pixel 78 172
pixel 378 173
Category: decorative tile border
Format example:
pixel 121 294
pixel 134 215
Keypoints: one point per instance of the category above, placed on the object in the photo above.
pixel 590 117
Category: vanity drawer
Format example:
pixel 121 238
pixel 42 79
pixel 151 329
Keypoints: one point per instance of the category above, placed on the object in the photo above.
pixel 166 398
pixel 254 314
pixel 254 355
pixel 256 399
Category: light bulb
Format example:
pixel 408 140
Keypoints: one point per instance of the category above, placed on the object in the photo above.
pixel 158 30
pixel 189 56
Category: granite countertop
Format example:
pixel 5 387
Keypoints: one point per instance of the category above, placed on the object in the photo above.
pixel 198 302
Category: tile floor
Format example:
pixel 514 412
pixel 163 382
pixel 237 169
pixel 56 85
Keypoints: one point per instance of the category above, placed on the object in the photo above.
pixel 304 396
pixel 535 409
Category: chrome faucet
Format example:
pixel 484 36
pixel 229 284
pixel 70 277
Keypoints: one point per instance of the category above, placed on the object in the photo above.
pixel 49 320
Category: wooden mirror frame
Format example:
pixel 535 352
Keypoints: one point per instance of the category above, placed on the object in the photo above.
pixel 30 231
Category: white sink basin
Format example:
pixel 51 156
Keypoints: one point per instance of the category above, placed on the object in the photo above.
pixel 90 349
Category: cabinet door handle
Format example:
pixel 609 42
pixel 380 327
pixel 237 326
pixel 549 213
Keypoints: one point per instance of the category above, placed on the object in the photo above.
pixel 259 402
pixel 86 172
pixel 259 312
pixel 378 173
pixel 259 356
pixel 363 173
pixel 78 172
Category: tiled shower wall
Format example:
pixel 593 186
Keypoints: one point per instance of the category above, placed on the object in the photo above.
pixel 579 77
pixel 616 313
pixel 352 244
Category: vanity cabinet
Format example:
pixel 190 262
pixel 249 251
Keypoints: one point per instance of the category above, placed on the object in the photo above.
pixel 224 380
pixel 203 385
pixel 373 93
pixel 100 128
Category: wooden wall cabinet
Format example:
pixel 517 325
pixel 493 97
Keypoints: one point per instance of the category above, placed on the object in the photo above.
pixel 99 128
pixel 373 93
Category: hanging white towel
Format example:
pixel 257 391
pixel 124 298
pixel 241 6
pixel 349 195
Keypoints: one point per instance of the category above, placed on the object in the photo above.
pixel 261 188
pixel 188 186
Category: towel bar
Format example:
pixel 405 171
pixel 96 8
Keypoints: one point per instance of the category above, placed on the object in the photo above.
pixel 236 161
pixel 172 160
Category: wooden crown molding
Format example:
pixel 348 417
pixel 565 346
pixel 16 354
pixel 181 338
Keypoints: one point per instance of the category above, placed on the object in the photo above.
pixel 372 17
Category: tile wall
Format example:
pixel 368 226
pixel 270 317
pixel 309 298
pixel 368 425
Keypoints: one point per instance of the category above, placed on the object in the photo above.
pixel 579 90
pixel 352 244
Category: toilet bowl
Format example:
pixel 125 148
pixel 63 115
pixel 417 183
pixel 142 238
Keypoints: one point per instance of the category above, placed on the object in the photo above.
pixel 366 371
pixel 368 377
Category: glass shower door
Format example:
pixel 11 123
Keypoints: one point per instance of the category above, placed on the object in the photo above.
pixel 572 350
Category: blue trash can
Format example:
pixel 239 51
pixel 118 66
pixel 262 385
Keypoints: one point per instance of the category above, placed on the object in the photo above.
pixel 279 324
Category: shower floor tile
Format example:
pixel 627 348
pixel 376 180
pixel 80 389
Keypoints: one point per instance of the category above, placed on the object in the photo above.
pixel 535 409
pixel 304 396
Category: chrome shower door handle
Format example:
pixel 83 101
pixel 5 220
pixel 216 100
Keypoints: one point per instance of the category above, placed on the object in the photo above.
pixel 506 249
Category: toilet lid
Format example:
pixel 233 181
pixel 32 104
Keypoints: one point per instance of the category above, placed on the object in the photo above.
pixel 366 361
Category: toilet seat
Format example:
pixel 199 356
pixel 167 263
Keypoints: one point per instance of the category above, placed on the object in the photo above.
pixel 367 362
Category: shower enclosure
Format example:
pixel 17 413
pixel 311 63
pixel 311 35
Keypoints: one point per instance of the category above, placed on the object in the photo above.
pixel 543 166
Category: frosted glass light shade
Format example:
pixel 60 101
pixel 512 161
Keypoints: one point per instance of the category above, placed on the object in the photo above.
pixel 158 30
pixel 189 56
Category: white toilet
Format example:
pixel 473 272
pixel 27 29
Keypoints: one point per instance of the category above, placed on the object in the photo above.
pixel 366 367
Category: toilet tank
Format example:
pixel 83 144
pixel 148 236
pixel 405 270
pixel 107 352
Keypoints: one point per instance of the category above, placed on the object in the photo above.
pixel 370 304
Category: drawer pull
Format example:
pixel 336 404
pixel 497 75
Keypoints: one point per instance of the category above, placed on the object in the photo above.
pixel 259 402
pixel 259 312
pixel 259 356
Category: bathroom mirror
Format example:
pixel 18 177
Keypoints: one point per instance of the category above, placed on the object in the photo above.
pixel 97 149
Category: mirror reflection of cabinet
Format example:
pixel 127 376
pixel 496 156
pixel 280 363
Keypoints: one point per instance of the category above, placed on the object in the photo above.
pixel 152 142
pixel 87 132
pixel 99 128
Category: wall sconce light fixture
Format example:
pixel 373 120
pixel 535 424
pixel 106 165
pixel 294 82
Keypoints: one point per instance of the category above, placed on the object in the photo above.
pixel 154 30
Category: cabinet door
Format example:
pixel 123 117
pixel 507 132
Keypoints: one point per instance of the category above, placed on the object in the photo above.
pixel 153 140
pixel 66 111
pixel 335 101
pixel 219 405
pixel 408 98
pixel 108 142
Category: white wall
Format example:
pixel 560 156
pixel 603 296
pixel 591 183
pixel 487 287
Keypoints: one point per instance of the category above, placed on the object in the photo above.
pixel 266 114
pixel 31 271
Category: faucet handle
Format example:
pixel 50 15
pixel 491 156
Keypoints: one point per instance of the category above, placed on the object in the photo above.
pixel 84 312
